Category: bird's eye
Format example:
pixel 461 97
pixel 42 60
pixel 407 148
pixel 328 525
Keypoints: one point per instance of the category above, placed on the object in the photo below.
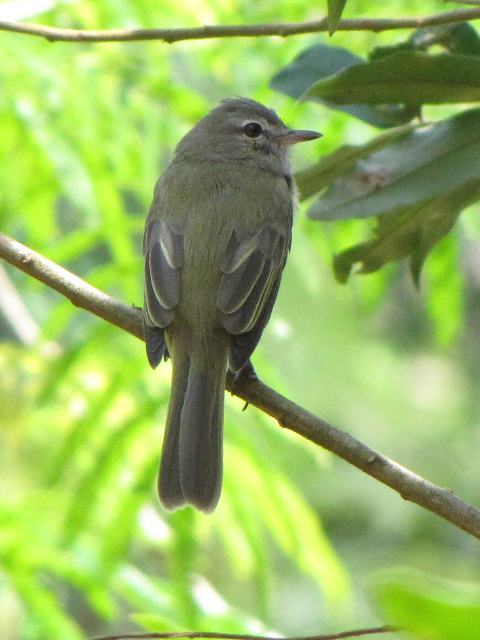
pixel 253 129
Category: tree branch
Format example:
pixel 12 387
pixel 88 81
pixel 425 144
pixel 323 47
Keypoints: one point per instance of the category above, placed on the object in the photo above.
pixel 409 485
pixel 356 633
pixel 54 34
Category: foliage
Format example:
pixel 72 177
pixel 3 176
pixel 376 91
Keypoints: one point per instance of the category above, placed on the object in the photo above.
pixel 430 607
pixel 406 184
pixel 85 131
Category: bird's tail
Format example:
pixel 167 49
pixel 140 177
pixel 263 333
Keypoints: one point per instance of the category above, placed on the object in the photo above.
pixel 191 465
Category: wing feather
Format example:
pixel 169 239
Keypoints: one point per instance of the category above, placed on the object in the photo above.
pixel 243 345
pixel 252 268
pixel 235 289
pixel 244 318
pixel 165 279
pixel 156 314
pixel 163 248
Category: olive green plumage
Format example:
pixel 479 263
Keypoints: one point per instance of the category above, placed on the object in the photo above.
pixel 216 240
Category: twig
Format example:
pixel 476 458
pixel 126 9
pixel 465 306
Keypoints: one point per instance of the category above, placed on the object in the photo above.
pixel 356 633
pixel 53 34
pixel 409 485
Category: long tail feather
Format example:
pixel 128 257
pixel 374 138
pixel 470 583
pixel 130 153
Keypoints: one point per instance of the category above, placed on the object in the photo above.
pixel 191 466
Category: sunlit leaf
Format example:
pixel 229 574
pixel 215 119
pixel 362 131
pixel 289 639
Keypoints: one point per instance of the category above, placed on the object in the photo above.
pixel 145 592
pixel 155 622
pixel 280 508
pixel 70 170
pixel 123 521
pixel 48 617
pixel 107 457
pixel 447 289
pixel 430 607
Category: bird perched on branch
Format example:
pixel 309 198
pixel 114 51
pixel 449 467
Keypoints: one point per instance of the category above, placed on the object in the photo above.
pixel 216 241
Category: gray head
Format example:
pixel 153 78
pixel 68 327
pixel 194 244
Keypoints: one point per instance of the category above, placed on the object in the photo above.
pixel 240 129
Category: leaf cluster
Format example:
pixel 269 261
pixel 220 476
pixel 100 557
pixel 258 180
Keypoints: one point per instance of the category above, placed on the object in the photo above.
pixel 416 180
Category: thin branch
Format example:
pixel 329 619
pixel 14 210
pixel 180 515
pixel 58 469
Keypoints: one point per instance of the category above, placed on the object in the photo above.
pixel 356 633
pixel 409 485
pixel 79 293
pixel 54 34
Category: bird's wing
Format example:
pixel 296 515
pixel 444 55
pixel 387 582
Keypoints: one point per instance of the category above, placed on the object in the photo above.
pixel 251 270
pixel 163 250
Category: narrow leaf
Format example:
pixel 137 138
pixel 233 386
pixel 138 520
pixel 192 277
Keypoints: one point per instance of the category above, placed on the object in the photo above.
pixel 335 10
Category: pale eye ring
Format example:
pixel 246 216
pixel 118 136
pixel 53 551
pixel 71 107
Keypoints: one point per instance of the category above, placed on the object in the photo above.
pixel 253 129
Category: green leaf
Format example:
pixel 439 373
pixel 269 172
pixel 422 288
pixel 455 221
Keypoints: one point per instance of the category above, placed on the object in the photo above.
pixel 321 61
pixel 409 77
pixel 313 179
pixel 70 170
pixel 382 52
pixel 429 607
pixel 144 592
pixel 155 622
pixel 123 522
pixel 447 288
pixel 458 38
pixel 423 164
pixel 413 232
pixel 279 507
pixel 335 10
pixel 48 617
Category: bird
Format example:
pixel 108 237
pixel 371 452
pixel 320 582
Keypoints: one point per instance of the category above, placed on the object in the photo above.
pixel 216 239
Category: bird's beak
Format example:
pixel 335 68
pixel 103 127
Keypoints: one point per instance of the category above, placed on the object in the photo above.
pixel 292 136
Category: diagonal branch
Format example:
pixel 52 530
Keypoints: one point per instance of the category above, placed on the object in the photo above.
pixel 54 34
pixel 409 485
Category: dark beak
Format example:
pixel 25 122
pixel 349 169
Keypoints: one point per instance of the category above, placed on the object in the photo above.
pixel 292 136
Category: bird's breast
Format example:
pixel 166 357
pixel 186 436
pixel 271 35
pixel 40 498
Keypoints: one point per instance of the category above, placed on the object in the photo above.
pixel 216 199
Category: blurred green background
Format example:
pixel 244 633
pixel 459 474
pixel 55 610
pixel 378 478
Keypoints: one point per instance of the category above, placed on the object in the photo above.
pixel 298 537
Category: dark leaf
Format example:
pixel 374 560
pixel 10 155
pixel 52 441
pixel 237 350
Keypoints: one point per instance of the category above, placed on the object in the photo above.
pixel 408 77
pixel 412 231
pixel 426 163
pixel 314 179
pixel 321 61
pixel 428 606
pixel 457 38
pixel 382 52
